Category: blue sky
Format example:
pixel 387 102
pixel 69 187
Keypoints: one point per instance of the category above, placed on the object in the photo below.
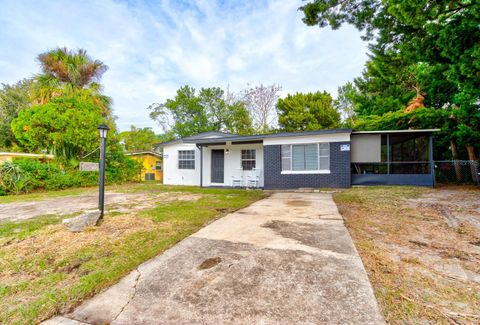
pixel 154 47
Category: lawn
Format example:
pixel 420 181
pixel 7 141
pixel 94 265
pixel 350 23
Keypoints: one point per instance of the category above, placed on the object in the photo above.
pixel 421 250
pixel 45 269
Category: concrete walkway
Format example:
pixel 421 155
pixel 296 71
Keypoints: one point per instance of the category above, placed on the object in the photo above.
pixel 287 259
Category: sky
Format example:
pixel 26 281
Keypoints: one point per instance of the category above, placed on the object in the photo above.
pixel 152 48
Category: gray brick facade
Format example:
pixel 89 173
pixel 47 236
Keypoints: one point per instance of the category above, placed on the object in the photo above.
pixel 339 170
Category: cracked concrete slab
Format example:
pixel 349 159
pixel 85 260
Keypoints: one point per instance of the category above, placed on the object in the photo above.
pixel 105 307
pixel 287 259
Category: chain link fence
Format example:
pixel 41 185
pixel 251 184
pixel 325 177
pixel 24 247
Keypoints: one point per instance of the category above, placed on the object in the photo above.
pixel 457 172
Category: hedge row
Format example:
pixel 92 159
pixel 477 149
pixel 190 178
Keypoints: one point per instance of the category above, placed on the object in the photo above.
pixel 27 175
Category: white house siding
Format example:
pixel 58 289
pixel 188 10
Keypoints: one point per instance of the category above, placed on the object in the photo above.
pixel 174 176
pixel 233 163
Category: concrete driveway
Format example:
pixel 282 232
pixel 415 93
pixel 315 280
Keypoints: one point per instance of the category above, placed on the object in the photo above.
pixel 287 259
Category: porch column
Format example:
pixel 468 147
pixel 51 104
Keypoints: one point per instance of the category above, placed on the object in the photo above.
pixel 430 158
pixel 388 153
pixel 200 147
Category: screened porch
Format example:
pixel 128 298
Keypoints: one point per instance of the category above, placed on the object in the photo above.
pixel 392 158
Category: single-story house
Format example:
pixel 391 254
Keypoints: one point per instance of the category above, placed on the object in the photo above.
pixel 151 164
pixel 324 158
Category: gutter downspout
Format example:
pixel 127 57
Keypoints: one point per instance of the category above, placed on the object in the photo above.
pixel 200 147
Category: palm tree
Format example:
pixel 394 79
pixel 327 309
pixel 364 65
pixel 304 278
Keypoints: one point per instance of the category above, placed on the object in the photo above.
pixel 66 72
pixel 75 68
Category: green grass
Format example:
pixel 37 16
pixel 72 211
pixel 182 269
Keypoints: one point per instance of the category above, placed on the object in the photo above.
pixel 46 270
pixel 26 228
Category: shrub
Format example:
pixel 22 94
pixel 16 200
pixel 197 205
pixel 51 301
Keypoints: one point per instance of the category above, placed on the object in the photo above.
pixel 13 179
pixel 121 168
pixel 25 175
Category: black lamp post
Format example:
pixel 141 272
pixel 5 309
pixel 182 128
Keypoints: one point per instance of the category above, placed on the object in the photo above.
pixel 103 131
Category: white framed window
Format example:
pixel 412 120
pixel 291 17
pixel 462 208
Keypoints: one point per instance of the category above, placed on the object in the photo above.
pixel 305 158
pixel 249 159
pixel 186 159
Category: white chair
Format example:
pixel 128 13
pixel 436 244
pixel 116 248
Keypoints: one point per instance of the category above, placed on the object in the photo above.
pixel 253 180
pixel 237 180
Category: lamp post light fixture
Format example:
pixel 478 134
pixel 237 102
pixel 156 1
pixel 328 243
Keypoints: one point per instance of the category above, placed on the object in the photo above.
pixel 103 131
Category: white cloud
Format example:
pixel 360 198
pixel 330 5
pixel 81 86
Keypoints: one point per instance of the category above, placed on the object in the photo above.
pixel 152 48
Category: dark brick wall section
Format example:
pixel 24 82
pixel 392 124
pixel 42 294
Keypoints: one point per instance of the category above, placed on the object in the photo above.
pixel 339 170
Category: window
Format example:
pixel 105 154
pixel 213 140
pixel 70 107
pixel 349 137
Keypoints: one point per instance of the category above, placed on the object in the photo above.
pixel 324 156
pixel 249 159
pixel 149 176
pixel 158 165
pixel 186 159
pixel 306 157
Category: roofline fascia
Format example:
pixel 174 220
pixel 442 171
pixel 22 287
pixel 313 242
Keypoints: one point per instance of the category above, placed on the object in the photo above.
pixel 397 131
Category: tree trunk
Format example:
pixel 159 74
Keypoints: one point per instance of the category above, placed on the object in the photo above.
pixel 473 163
pixel 458 168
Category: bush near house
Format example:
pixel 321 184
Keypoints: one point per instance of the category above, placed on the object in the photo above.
pixel 26 175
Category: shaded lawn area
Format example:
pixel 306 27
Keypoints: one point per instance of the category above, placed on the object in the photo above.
pixel 45 269
pixel 421 250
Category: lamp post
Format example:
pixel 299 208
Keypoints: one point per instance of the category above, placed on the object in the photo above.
pixel 103 131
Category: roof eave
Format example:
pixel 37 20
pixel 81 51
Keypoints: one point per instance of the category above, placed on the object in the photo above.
pixel 398 131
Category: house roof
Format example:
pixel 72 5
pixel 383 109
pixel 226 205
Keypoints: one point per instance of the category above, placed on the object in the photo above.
pixel 258 137
pixel 398 131
pixel 146 152
pixel 209 134
pixel 221 137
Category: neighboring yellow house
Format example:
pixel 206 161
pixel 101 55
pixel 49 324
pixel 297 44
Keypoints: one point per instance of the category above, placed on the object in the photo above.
pixel 9 156
pixel 152 165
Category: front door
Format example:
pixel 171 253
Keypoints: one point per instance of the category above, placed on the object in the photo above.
pixel 218 163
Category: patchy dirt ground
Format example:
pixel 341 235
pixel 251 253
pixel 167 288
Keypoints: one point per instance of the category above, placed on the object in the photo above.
pixel 421 249
pixel 119 202
pixel 46 269
pixel 287 259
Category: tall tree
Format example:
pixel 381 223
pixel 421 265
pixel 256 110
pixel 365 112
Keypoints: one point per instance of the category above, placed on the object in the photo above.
pixel 184 114
pixel 67 106
pixel 66 72
pixel 261 101
pixel 306 112
pixel 188 113
pixel 65 126
pixel 138 138
pixel 13 98
pixel 345 104
pixel 423 48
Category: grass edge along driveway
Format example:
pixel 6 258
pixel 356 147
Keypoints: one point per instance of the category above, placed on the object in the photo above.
pixel 45 270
